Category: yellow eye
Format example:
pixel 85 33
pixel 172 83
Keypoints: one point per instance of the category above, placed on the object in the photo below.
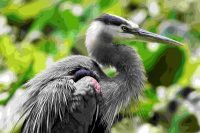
pixel 124 28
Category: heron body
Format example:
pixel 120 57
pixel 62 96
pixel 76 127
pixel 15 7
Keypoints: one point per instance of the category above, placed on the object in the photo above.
pixel 75 96
pixel 53 104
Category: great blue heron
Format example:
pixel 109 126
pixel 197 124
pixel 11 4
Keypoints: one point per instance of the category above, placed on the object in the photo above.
pixel 65 97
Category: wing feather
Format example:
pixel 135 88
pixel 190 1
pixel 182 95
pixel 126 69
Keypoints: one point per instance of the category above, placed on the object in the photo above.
pixel 51 103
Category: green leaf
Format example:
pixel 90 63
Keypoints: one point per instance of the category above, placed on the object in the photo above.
pixel 106 3
pixel 27 10
pixel 43 19
pixel 24 77
pixel 70 21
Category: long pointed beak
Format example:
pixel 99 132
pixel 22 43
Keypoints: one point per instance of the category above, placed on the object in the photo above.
pixel 144 35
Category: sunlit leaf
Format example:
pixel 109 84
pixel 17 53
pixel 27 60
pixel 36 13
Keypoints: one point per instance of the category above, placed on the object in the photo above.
pixel 28 10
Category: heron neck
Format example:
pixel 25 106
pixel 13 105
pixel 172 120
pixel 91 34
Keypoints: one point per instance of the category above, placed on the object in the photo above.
pixel 123 58
pixel 128 84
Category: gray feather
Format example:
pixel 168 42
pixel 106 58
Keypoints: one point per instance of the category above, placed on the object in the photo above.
pixel 51 94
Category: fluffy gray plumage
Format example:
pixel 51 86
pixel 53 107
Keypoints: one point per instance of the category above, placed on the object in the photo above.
pixel 52 98
pixel 52 92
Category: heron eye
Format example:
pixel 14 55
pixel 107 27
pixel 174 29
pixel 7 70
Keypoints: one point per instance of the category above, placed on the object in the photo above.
pixel 124 28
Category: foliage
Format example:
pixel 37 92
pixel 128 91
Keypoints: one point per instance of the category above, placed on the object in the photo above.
pixel 35 33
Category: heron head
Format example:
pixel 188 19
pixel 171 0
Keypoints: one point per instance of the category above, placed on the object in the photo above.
pixel 120 28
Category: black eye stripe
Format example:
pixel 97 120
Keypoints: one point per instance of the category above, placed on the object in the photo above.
pixel 111 20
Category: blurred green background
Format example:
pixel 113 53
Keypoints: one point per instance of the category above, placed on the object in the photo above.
pixel 36 33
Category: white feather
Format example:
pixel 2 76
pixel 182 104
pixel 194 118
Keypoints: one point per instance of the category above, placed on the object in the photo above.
pixel 92 33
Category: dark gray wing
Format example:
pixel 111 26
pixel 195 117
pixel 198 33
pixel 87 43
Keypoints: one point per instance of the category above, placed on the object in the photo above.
pixel 84 110
pixel 52 101
pixel 62 106
pixel 47 105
